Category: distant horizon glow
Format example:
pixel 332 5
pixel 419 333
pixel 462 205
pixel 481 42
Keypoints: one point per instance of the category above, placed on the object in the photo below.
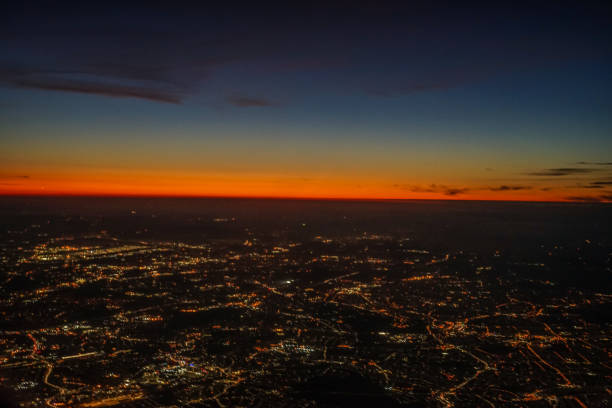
pixel 406 102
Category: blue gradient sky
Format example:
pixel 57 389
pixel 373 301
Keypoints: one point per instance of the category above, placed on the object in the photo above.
pixel 426 101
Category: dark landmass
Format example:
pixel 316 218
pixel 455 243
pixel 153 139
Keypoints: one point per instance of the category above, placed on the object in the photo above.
pixel 223 303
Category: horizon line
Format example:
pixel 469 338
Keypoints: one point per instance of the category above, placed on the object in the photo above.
pixel 290 198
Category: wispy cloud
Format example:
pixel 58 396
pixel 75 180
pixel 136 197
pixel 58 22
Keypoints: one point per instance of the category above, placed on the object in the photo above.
pixel 248 102
pixel 453 190
pixel 562 171
pixel 595 163
pixel 409 89
pixel 417 189
pixel 106 89
pixel 585 199
pixel 12 179
pixel 433 188
pixel 607 196
pixel 171 47
pixel 509 188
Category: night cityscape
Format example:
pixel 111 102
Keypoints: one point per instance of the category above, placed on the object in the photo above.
pixel 198 303
pixel 306 204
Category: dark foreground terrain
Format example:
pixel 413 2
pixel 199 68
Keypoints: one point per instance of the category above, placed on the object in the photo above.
pixel 227 303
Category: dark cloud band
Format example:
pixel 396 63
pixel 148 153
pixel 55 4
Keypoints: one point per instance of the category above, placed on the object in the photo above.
pixel 247 102
pixel 114 90
pixel 563 171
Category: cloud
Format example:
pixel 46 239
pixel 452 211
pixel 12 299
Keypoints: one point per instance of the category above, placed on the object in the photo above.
pixel 97 88
pixel 102 56
pixel 585 199
pixel 433 188
pixel 11 180
pixel 607 196
pixel 595 163
pixel 509 188
pixel 455 191
pixel 167 46
pixel 417 189
pixel 248 102
pixel 563 171
pixel 602 183
pixel 394 91
pixel 170 46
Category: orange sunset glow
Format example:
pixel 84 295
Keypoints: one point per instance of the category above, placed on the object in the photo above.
pixel 264 186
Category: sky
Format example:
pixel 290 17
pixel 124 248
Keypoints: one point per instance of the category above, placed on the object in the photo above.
pixel 426 100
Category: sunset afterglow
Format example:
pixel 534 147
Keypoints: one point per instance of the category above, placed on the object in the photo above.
pixel 305 204
pixel 404 112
